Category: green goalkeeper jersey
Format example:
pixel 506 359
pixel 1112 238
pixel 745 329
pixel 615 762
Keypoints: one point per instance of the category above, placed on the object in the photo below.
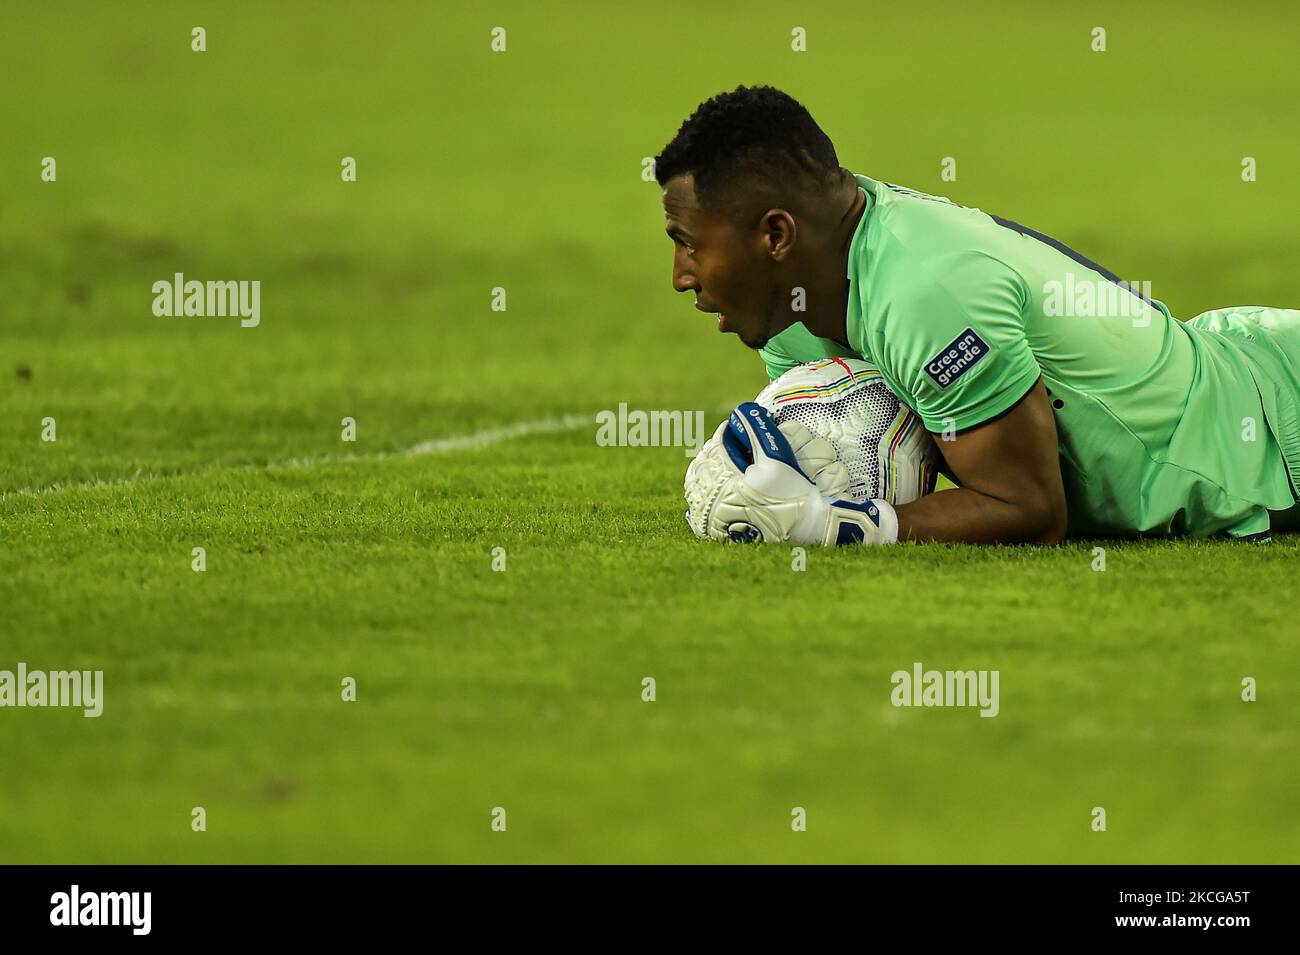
pixel 1165 427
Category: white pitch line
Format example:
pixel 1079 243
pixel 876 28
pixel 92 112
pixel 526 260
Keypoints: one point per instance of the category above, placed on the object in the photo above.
pixel 521 429
pixel 458 442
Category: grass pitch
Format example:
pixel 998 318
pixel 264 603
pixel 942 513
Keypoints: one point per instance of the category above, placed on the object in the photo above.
pixel 373 560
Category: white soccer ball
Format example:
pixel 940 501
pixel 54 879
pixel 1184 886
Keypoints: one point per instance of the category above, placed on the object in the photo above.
pixel 883 445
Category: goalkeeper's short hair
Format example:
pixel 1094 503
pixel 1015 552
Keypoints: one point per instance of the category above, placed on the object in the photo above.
pixel 749 150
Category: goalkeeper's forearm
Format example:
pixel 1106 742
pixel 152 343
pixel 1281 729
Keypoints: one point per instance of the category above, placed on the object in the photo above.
pixel 1010 475
pixel 966 516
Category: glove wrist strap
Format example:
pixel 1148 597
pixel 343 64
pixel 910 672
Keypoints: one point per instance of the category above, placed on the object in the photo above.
pixel 872 522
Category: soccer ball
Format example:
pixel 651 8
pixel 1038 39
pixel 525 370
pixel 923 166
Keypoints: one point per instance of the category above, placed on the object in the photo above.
pixel 883 445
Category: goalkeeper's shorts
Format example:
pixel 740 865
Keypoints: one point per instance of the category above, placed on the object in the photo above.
pixel 1270 338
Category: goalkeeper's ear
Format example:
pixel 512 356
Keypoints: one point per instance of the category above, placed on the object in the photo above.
pixel 754 437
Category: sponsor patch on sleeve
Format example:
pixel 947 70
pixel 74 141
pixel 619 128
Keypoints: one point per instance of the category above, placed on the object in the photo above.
pixel 956 358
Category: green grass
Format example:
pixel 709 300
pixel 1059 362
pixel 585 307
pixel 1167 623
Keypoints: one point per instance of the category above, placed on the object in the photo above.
pixel 522 689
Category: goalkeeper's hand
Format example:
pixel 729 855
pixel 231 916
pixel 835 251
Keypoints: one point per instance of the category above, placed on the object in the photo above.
pixel 747 484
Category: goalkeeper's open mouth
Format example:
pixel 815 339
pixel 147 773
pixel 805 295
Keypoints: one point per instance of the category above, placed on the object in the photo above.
pixel 722 319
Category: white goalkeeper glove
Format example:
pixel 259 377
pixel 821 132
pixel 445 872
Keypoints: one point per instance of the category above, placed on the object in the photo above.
pixel 748 483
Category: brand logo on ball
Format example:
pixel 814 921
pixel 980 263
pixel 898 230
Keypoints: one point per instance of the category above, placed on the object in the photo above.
pixel 956 358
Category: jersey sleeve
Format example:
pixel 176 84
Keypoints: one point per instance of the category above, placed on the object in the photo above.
pixel 955 342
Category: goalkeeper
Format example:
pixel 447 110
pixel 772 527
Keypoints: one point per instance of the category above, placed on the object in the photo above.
pixel 1110 419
